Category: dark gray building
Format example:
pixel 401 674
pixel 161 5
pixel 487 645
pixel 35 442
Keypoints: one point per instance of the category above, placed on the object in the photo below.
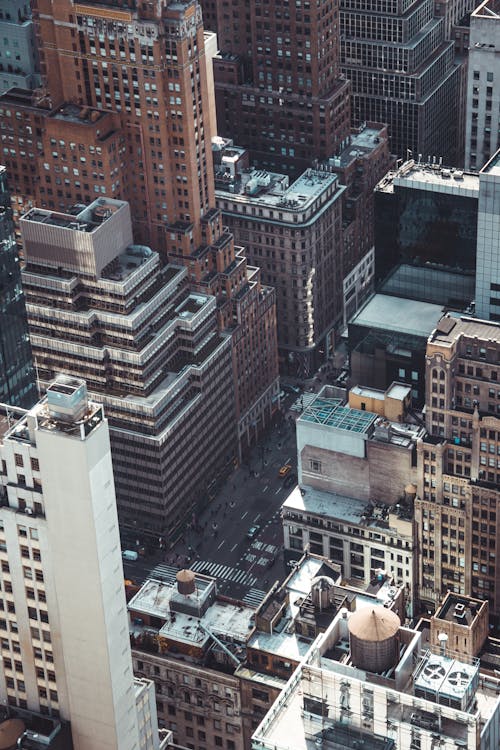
pixel 403 73
pixel 17 379
pixel 425 233
pixel 18 51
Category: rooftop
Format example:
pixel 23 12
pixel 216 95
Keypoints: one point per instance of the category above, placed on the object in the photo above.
pixel 65 409
pixel 331 412
pixel 262 188
pixel 399 314
pixel 83 219
pixel 326 702
pixel 462 610
pixel 448 330
pixel 431 176
pixel 162 600
pixel 331 505
pixel 493 165
pixel 77 114
pixel 360 144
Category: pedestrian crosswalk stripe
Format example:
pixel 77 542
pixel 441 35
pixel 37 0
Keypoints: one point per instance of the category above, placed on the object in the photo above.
pixel 225 572
pixel 166 572
pixel 254 597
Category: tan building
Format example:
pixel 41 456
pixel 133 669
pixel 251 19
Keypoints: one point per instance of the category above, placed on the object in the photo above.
pixel 60 561
pixel 464 622
pixel 458 500
pixel 293 232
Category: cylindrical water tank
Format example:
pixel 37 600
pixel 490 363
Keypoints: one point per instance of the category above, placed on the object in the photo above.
pixel 186 583
pixel 374 638
pixel 10 731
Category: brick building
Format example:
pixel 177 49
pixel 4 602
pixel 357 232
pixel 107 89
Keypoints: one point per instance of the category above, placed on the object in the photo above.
pixel 279 89
pixel 94 128
pixel 458 499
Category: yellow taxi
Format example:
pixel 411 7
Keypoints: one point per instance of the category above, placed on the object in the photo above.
pixel 286 469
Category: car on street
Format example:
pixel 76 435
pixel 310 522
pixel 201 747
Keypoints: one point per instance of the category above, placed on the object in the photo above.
pixel 289 480
pixel 285 469
pixel 253 531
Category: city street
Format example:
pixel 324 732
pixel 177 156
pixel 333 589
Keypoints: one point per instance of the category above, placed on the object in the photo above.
pixel 219 545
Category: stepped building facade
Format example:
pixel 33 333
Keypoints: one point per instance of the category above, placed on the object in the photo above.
pixel 402 72
pixel 104 308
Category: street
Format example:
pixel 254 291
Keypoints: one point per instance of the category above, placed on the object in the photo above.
pixel 217 543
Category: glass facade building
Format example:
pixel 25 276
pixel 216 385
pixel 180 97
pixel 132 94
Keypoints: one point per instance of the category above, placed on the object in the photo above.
pixel 403 73
pixel 17 378
pixel 426 217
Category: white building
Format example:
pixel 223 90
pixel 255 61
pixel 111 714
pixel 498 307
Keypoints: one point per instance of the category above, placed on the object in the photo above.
pixel 369 683
pixel 483 85
pixel 65 640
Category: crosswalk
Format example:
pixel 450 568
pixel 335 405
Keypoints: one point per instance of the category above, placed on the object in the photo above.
pixel 164 572
pixel 254 597
pixel 226 572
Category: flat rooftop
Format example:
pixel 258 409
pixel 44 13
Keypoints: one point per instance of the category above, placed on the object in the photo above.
pixel 310 500
pixel 360 144
pixel 493 165
pixel 271 189
pixel 87 219
pixel 76 113
pixel 399 314
pixel 222 618
pixel 127 262
pixel 450 329
pixel 431 176
pixel 458 609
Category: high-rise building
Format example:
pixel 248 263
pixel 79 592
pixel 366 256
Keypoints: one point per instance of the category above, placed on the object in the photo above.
pixel 488 242
pixel 139 87
pixel 18 53
pixel 483 90
pixel 65 644
pixel 294 234
pixel 426 219
pixel 458 498
pixel 17 375
pixel 402 73
pixel 105 309
pixel 279 89
pixel 311 238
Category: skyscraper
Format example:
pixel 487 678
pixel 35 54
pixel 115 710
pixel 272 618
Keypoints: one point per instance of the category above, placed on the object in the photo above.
pixel 17 376
pixel 483 94
pixel 98 127
pixel 104 308
pixel 64 620
pixel 18 54
pixel 402 72
pixel 457 509
pixel 279 89
pixel 136 76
